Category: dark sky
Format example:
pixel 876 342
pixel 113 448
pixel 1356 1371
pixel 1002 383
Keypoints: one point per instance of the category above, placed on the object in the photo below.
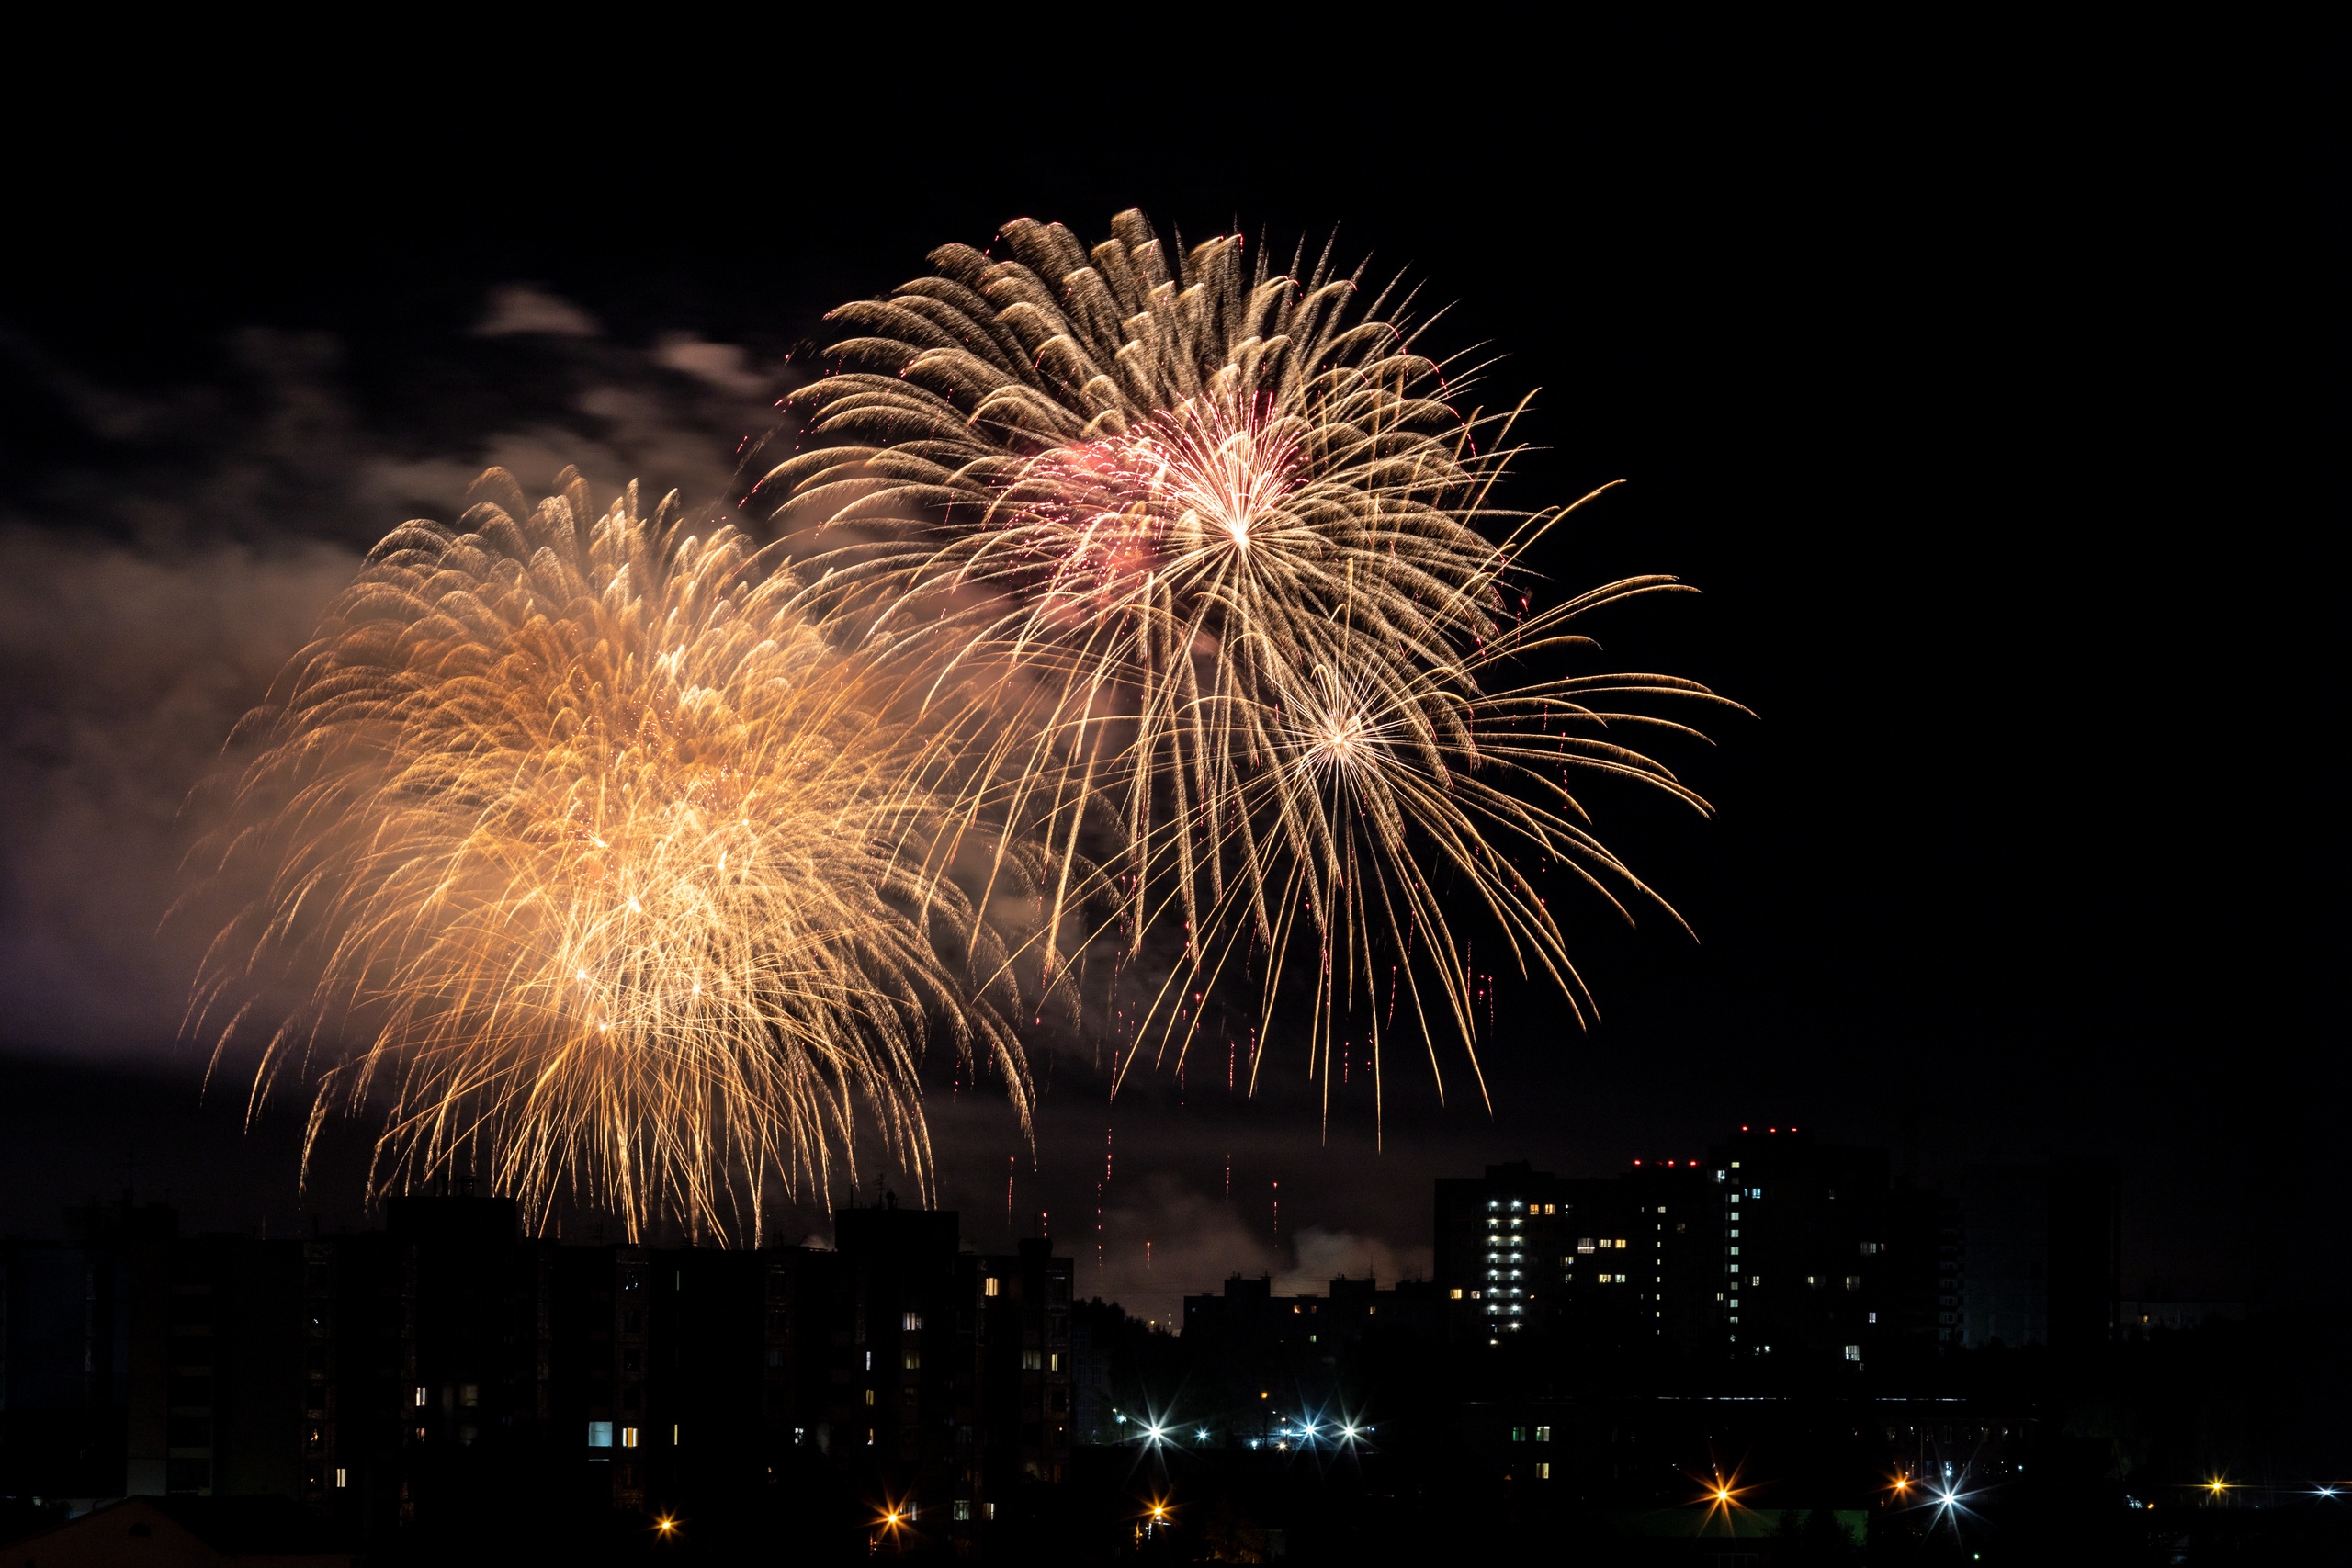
pixel 1989 389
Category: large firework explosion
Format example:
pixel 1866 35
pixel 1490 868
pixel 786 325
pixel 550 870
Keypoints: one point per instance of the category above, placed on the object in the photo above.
pixel 637 863
pixel 617 876
pixel 1225 548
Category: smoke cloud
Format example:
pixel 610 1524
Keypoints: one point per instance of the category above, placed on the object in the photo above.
pixel 153 582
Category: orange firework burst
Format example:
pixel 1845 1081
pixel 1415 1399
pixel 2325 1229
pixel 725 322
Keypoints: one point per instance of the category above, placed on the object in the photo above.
pixel 615 873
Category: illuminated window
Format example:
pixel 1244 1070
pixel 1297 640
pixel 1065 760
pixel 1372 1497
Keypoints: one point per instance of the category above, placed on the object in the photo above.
pixel 911 1323
pixel 963 1508
pixel 1454 1294
pixel 1054 1361
pixel 1874 1317
pixel 988 1286
pixel 676 1438
pixel 600 1434
pixel 1543 1434
pixel 869 1397
pixel 1033 1360
pixel 629 1437
pixel 1853 1281
pixel 1853 1352
pixel 420 1399
pixel 911 1360
pixel 341 1478
pixel 1543 1471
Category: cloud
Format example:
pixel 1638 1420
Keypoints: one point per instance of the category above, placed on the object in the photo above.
pixel 149 592
pixel 721 365
pixel 1169 1240
pixel 121 674
pixel 520 309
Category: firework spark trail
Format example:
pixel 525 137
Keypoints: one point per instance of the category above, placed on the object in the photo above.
pixel 616 874
pixel 1218 542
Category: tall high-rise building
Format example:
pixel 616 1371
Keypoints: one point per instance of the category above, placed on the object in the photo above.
pixel 2037 1256
pixel 1500 1249
pixel 1808 1246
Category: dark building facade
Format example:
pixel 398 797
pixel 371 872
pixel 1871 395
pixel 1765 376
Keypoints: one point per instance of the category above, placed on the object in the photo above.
pixel 2035 1255
pixel 449 1369
pixel 1809 1247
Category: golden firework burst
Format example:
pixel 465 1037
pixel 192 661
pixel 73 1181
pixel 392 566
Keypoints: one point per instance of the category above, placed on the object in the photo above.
pixel 597 863
pixel 1167 509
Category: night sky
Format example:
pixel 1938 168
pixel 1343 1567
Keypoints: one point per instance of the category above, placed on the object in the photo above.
pixel 1991 395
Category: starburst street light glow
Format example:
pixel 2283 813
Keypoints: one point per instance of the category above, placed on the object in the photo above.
pixel 1722 1495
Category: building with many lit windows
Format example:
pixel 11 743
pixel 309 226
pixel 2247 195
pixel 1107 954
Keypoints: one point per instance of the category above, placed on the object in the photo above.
pixel 1500 1240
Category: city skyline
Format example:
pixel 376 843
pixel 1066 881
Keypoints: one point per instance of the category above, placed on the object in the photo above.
pixel 1988 399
